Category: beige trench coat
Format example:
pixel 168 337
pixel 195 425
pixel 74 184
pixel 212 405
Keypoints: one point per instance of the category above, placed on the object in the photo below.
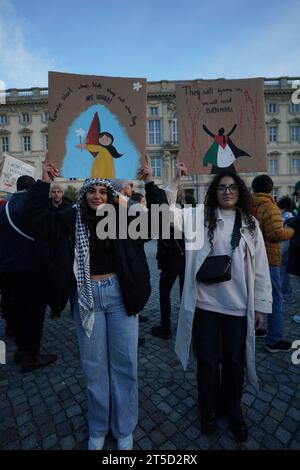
pixel 258 283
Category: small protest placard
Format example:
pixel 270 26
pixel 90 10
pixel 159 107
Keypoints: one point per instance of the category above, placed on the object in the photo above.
pixel 11 170
pixel 222 125
pixel 97 125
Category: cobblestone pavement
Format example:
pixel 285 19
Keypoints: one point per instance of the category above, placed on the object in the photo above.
pixel 47 409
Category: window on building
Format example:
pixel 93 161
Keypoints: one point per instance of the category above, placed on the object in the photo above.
pixel 26 143
pixel 273 166
pixel 156 166
pixel 295 166
pixel 175 129
pixel 295 108
pixel 3 119
pixel 295 133
pixel 154 110
pixel 46 141
pixel 276 193
pixel 272 130
pixel 5 144
pixel 45 117
pixel 154 134
pixel 272 108
pixel 25 118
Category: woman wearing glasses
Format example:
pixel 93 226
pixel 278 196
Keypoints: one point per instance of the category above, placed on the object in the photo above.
pixel 224 307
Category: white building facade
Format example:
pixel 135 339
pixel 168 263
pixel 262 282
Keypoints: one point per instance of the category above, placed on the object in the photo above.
pixel 24 133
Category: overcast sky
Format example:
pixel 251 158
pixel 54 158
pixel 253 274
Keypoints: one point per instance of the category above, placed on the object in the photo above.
pixel 155 39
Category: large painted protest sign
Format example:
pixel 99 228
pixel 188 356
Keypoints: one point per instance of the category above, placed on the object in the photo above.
pixel 222 125
pixel 97 125
pixel 11 170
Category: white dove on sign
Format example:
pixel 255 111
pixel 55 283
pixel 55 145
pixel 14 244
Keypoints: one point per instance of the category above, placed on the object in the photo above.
pixel 80 133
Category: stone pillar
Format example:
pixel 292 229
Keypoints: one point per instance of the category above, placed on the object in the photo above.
pixel 167 173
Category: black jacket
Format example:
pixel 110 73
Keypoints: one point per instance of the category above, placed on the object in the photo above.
pixel 59 230
pixel 18 252
pixel 293 263
pixel 171 252
pixel 65 204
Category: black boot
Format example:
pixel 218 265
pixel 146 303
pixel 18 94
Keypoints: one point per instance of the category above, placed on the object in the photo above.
pixel 161 332
pixel 238 428
pixel 209 424
pixel 19 355
pixel 30 363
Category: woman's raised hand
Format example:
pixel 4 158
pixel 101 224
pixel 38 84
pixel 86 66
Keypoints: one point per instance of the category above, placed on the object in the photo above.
pixel 181 169
pixel 49 171
pixel 145 172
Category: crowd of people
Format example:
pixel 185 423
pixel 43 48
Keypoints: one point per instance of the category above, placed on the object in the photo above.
pixel 233 287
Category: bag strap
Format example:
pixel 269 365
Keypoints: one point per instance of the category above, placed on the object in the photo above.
pixel 17 229
pixel 236 233
pixel 179 247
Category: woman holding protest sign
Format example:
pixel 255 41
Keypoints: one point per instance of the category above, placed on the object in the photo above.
pixel 112 285
pixel 226 289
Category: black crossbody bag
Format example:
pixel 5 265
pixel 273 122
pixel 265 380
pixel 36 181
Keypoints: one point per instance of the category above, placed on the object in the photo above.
pixel 218 268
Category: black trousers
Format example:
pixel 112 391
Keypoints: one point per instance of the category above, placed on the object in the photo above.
pixel 167 279
pixel 6 302
pixel 220 339
pixel 29 304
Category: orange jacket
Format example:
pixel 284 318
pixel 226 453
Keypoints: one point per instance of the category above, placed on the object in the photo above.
pixel 270 222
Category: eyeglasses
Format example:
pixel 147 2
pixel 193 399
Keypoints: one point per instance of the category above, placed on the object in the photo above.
pixel 233 188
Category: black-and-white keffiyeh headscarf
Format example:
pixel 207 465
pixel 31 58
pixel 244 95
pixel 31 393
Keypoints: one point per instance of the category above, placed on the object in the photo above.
pixel 82 258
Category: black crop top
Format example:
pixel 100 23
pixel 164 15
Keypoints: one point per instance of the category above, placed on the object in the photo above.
pixel 102 257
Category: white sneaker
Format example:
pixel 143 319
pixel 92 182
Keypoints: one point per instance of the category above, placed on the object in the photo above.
pixel 296 318
pixel 125 443
pixel 96 443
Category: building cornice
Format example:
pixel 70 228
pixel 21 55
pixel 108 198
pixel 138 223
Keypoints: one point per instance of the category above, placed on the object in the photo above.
pixel 4 132
pixel 296 120
pixel 274 153
pixel 280 86
pixel 273 121
pixel 25 130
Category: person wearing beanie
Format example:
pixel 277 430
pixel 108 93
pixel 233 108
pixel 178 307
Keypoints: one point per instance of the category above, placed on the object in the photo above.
pixel 122 186
pixel 57 200
pixel 270 221
pixel 124 189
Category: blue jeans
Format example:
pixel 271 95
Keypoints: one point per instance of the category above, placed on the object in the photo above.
pixel 109 362
pixel 275 320
pixel 286 287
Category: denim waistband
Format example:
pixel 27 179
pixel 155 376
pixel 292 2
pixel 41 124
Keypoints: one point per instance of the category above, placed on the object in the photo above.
pixel 108 281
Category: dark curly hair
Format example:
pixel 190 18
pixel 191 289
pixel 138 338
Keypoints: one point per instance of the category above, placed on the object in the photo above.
pixel 243 204
pixel 90 219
